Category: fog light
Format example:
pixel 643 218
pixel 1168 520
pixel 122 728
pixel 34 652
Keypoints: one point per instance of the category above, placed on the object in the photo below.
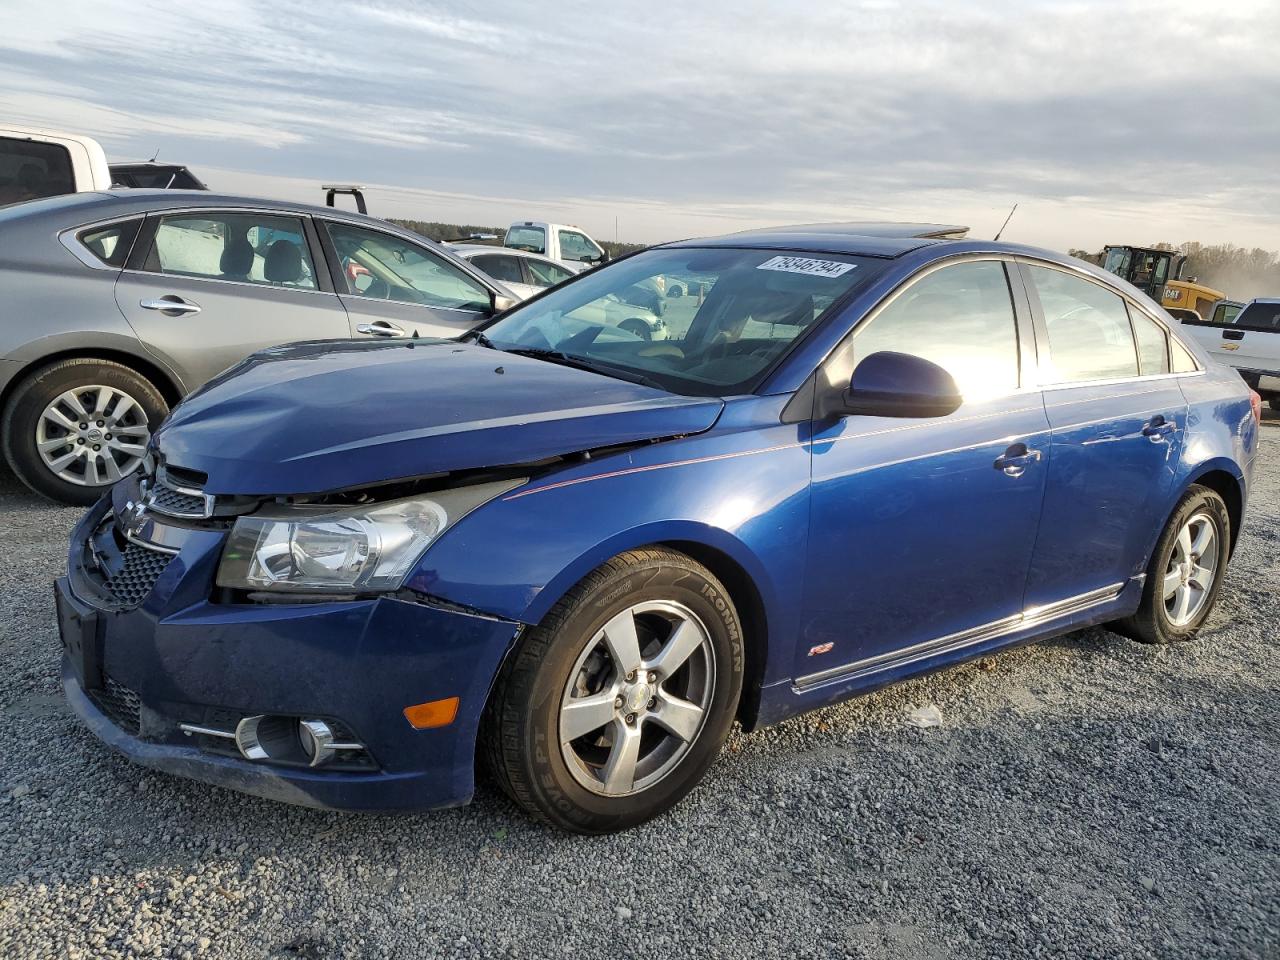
pixel 266 738
pixel 289 740
pixel 316 738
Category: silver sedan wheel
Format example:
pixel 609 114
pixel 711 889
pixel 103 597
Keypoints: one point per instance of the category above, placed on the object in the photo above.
pixel 1192 569
pixel 637 698
pixel 92 436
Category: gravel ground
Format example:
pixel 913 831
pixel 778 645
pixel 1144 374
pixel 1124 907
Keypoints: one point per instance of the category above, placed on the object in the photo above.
pixel 1086 797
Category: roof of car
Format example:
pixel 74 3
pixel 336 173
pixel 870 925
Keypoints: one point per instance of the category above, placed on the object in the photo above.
pixel 73 209
pixel 474 249
pixel 873 239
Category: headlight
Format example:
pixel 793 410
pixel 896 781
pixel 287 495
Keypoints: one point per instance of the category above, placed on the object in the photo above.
pixel 329 550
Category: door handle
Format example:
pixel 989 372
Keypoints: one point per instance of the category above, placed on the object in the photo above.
pixel 172 305
pixel 1232 334
pixel 1158 429
pixel 380 328
pixel 1016 459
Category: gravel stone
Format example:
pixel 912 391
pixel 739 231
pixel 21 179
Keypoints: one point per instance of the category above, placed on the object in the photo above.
pixel 1087 797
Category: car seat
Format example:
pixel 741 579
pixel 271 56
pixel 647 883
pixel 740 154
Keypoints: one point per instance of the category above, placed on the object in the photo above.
pixel 284 262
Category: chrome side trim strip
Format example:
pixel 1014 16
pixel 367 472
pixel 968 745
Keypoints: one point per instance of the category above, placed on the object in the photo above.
pixel 1030 617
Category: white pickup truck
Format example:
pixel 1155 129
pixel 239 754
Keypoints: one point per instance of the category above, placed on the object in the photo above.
pixel 1249 341
pixel 37 163
pixel 570 246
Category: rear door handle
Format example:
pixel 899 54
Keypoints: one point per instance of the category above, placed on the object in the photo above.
pixel 172 305
pixel 380 328
pixel 1232 334
pixel 1159 428
pixel 1016 459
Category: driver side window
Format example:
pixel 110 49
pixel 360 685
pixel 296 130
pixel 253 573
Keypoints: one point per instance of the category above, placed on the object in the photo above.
pixel 380 266
pixel 959 317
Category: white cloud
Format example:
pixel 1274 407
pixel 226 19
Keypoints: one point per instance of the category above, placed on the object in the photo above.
pixel 1108 121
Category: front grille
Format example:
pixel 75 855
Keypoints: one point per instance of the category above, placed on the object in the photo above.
pixel 120 704
pixel 163 498
pixel 142 567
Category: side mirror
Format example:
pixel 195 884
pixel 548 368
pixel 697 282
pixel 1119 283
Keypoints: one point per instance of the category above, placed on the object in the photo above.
pixel 502 303
pixel 888 384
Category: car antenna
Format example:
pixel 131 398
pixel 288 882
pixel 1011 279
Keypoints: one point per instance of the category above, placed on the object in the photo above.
pixel 1006 221
pixel 154 155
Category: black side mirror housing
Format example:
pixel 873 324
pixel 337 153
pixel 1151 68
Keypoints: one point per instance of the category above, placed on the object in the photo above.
pixel 889 384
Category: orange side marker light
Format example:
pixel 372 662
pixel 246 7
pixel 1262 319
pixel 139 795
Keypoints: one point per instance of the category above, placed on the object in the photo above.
pixel 433 713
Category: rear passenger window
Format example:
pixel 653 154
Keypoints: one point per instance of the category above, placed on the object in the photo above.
pixel 1153 344
pixel 111 244
pixel 245 247
pixel 1089 333
pixel 500 267
pixel 959 317
pixel 1183 362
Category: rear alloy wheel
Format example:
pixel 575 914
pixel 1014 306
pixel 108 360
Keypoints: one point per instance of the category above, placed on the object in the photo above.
pixel 76 427
pixel 1186 570
pixel 613 708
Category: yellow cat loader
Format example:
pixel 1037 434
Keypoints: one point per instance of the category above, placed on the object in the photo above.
pixel 1158 273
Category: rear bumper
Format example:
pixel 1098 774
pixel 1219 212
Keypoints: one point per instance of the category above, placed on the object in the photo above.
pixel 359 663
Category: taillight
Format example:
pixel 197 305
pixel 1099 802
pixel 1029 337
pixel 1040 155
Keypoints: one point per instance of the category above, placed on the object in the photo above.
pixel 1255 401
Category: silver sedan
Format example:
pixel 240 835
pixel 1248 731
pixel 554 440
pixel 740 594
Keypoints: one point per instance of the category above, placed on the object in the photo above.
pixel 119 304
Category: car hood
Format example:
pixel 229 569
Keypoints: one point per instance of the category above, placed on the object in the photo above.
pixel 315 418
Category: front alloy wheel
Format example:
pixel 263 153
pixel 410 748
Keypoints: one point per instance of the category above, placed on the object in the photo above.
pixel 637 698
pixel 611 709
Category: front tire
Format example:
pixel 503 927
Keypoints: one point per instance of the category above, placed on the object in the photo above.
pixel 612 709
pixel 75 427
pixel 1186 570
pixel 638 327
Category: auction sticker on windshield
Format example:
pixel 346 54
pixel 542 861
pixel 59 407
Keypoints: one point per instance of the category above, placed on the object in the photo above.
pixel 815 268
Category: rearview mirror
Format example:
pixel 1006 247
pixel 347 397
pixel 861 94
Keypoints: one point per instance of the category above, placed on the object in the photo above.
pixel 501 303
pixel 889 384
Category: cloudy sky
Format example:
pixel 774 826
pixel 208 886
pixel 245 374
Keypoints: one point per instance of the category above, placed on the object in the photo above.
pixel 1120 121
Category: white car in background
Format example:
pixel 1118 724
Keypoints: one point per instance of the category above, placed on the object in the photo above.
pixel 526 274
pixel 36 163
pixel 569 246
pixel 1248 341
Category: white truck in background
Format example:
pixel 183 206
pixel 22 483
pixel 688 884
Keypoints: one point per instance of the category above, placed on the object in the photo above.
pixel 37 163
pixel 1248 341
pixel 566 244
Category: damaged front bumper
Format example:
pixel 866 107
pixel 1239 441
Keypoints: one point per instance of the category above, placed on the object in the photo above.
pixel 147 678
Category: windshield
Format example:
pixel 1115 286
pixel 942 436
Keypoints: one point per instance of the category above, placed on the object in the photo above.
pixel 701 322
pixel 533 239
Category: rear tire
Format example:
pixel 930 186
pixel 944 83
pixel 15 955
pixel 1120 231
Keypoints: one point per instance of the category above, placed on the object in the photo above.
pixel 1274 404
pixel 567 675
pixel 61 401
pixel 1186 570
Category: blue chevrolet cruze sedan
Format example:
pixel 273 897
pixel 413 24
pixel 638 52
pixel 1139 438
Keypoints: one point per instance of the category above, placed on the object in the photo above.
pixel 349 572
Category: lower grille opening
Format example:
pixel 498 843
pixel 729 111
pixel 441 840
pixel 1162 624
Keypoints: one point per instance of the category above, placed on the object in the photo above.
pixel 120 704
